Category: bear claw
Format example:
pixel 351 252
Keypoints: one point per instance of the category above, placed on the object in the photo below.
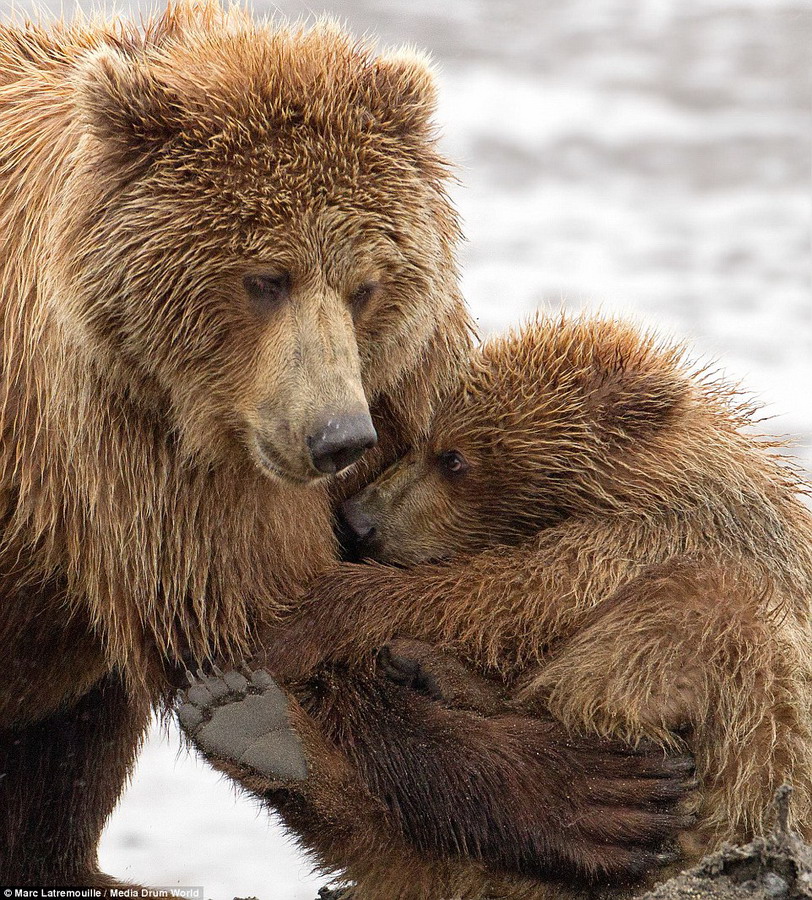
pixel 408 673
pixel 230 718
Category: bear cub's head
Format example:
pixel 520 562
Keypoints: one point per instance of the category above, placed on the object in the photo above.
pixel 557 420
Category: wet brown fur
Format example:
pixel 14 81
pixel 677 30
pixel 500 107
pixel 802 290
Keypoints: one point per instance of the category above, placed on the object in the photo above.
pixel 143 171
pixel 632 558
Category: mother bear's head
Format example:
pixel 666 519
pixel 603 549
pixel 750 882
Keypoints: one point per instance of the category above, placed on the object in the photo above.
pixel 255 237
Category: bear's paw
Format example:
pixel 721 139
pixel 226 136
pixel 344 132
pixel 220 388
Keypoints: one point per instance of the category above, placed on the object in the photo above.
pixel 245 722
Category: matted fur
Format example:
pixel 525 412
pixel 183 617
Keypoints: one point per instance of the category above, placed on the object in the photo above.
pixel 632 558
pixel 143 169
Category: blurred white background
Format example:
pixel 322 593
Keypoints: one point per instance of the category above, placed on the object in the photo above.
pixel 644 158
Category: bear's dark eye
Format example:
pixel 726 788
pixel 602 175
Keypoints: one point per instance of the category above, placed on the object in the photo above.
pixel 267 291
pixel 452 462
pixel 362 295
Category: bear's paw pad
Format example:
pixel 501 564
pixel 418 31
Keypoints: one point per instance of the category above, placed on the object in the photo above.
pixel 229 717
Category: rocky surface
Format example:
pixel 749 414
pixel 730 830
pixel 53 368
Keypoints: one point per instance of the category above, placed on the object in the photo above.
pixel 775 867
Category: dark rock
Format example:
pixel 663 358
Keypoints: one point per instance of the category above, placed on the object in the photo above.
pixel 775 867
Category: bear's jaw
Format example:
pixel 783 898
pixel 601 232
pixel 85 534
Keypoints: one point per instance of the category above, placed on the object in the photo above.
pixel 268 463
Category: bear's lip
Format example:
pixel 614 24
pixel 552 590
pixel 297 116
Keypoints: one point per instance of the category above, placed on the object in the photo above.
pixel 269 461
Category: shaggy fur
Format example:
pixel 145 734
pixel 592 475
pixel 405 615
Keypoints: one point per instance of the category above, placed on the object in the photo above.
pixel 464 806
pixel 156 504
pixel 632 559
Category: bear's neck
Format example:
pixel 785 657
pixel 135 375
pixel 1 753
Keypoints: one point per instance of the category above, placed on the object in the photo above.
pixel 172 558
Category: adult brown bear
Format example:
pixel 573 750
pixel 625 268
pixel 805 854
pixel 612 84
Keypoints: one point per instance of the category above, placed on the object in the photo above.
pixel 630 558
pixel 223 243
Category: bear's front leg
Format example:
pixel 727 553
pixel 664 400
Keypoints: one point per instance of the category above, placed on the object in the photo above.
pixel 520 795
pixel 60 779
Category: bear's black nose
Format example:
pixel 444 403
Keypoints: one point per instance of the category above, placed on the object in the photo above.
pixel 340 441
pixel 358 524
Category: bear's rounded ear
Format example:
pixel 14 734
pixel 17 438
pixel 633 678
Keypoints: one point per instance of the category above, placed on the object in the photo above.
pixel 405 91
pixel 124 104
pixel 637 402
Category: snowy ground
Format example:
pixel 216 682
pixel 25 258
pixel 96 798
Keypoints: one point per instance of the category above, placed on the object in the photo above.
pixel 651 159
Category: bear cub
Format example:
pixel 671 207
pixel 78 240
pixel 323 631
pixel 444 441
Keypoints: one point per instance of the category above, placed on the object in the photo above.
pixel 626 555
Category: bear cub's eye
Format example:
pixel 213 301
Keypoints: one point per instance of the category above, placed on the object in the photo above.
pixel 452 462
pixel 266 291
pixel 362 295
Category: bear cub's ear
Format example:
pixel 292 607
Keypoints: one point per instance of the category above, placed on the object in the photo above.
pixel 405 91
pixel 628 403
pixel 124 104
